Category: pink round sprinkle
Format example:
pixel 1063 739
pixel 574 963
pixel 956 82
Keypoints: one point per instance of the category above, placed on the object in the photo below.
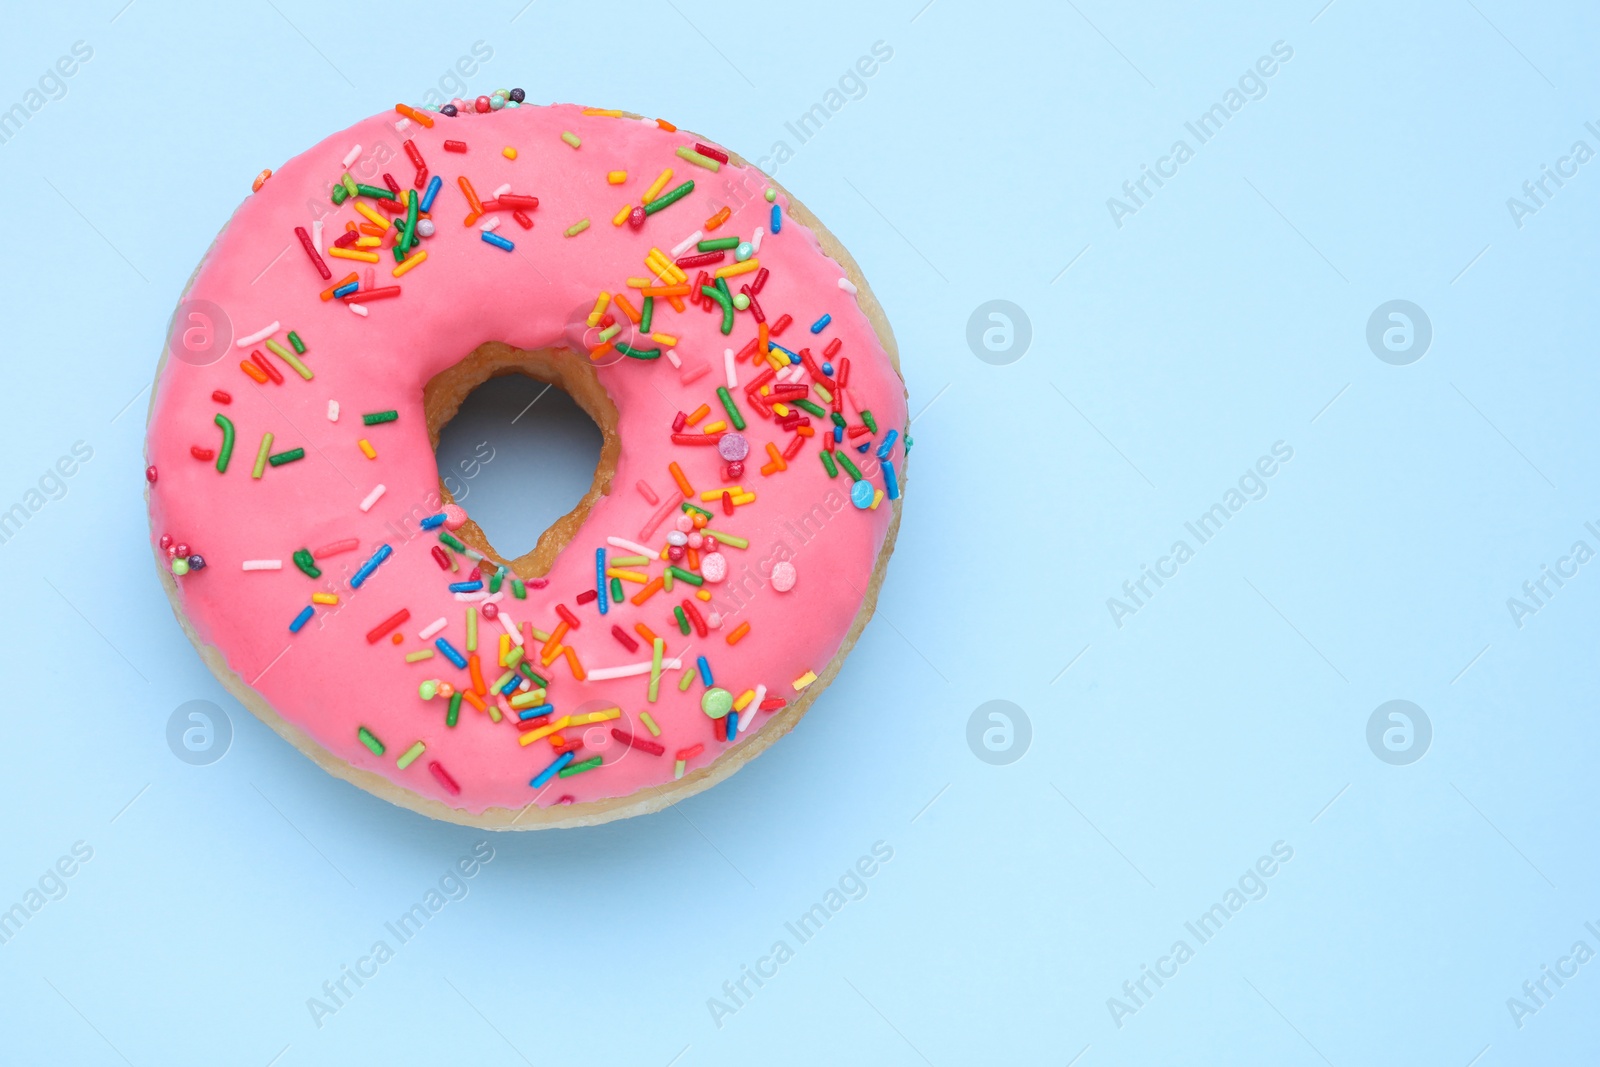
pixel 714 620
pixel 733 446
pixel 454 517
pixel 490 610
pixel 696 540
pixel 783 576
pixel 714 567
pixel 684 522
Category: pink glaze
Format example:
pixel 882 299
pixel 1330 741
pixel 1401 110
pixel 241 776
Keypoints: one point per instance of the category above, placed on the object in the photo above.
pixel 328 679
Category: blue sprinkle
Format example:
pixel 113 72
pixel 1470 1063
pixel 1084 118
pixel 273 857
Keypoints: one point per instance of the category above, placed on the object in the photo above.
pixel 777 219
pixel 705 671
pixel 891 484
pixel 733 725
pixel 600 580
pixel 550 772
pixel 465 587
pixel 498 241
pixel 888 444
pixel 838 434
pixel 450 653
pixel 863 448
pixel 345 290
pixel 827 368
pixel 434 184
pixel 510 687
pixel 301 619
pixel 360 576
pixel 821 324
pixel 861 494
pixel 433 522
pixel 533 713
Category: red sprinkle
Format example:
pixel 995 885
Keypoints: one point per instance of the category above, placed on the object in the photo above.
pixel 221 397
pixel 689 753
pixel 527 203
pixel 444 778
pixel 377 633
pixel 416 161
pixel 267 368
pixel 394 186
pixel 720 728
pixel 696 438
pixel 570 746
pixel 794 447
pixel 622 636
pixel 704 259
pixel 440 558
pixel 567 616
pixel 707 150
pixel 455 146
pixel 150 474
pixel 586 596
pixel 639 743
pixel 333 548
pixel 695 618
pixel 202 454
pixel 779 326
pixel 522 219
pixel 760 281
pixel 772 704
pixel 372 294
pixel 311 251
pixel 727 502
pixel 679 421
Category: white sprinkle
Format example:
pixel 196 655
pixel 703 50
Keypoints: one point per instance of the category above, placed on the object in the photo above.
pixel 402 126
pixel 359 309
pixel 672 357
pixel 732 367
pixel 490 224
pixel 602 674
pixel 683 246
pixel 632 546
pixel 506 188
pixel 761 694
pixel 333 411
pixel 372 497
pixel 352 155
pixel 755 241
pixel 648 122
pixel 257 337
pixel 263 565
pixel 316 232
pixel 427 632
pixel 848 286
pixel 509 625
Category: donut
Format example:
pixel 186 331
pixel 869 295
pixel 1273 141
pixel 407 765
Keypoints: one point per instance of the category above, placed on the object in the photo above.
pixel 691 607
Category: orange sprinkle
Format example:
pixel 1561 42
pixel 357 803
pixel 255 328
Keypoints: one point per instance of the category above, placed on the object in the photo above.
pixel 678 476
pixel 738 633
pixel 699 413
pixel 572 662
pixel 669 291
pixel 645 632
pixel 254 371
pixel 647 592
pixel 719 218
pixel 472 698
pixel 420 118
pixel 476 671
pixel 327 294
pixel 665 125
pixel 471 195
pixel 627 309
pixel 602 351
pixel 555 636
pixel 261 179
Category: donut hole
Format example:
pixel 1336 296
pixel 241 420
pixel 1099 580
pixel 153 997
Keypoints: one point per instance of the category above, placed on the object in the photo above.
pixel 525 443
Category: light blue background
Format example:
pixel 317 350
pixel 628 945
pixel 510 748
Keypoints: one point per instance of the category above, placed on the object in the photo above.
pixel 1168 354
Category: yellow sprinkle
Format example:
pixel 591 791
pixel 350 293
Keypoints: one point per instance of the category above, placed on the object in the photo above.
pixel 571 138
pixel 345 253
pixel 372 216
pixel 505 649
pixel 664 339
pixel 419 655
pixel 827 397
pixel 877 498
pixel 640 283
pixel 716 427
pixel 367 449
pixel 509 152
pixel 628 576
pixel 703 594
pixel 716 494
pixel 616 177
pixel 601 302
pixel 605 113
pixel 744 498
pixel 622 216
pixel 596 716
pixel 368 242
pixel 658 185
pixel 780 409
pixel 736 268
pixel 324 598
pixel 494 713
pixel 540 635
pixel 649 724
pixel 414 259
pixel 577 227
pixel 744 700
pixel 546 730
pixel 804 680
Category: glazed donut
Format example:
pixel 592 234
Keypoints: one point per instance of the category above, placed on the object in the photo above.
pixel 670 627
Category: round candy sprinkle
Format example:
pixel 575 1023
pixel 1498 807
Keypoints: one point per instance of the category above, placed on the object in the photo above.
pixel 697 539
pixel 714 620
pixel 455 517
pixel 197 562
pixel 425 227
pixel 740 301
pixel 491 611
pixel 714 567
pixel 180 567
pixel 683 522
pixel 783 576
pixel 150 474
pixel 733 446
pixel 509 152
pixel 716 702
pixel 481 105
pixel 735 470
pixel 496 102
pixel 166 541
pixel 861 494
pixel 744 251
pixel 518 95
pixel 677 537
pixel 428 689
pixel 450 109
pixel 772 194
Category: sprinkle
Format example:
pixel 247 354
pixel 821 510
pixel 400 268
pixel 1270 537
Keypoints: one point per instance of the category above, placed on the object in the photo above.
pixel 427 632
pixel 650 724
pixel 290 358
pixel 365 572
pixel 668 199
pixel 367 449
pixel 333 411
pixel 631 546
pixel 303 560
pixel 450 653
pixel 301 619
pixel 359 256
pixel 412 260
pixel 409 755
pixel 636 742
pixel 262 565
pixel 370 739
pixel 376 417
pixel 227 442
pixel 600 580
pixel 616 177
pixel 888 444
pixel 439 772
pixel 688 242
pixel 730 364
pixel 419 117
pixel 690 155
pixel 726 539
pixel 496 240
pixel 324 598
pixel 738 633
pixel 509 152
pixel 419 655
pixel 804 680
pixel 333 548
pixel 372 497
pixel 298 345
pixel 571 138
pixel 890 482
pixel 755 246
pixel 378 632
pixel 551 771
pixel 261 455
pixel 732 409
pixel 777 219
pixel 656 186
pixel 575 229
pixel 434 185
pixel 278 459
pixel 705 670
pixel 578 768
pixel 821 324
pixel 848 286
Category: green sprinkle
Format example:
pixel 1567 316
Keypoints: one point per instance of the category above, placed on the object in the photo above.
pixel 371 741
pixel 515 656
pixel 290 358
pixel 828 464
pixel 419 655
pixel 261 455
pixel 649 724
pixel 578 768
pixel 695 509
pixel 571 138
pixel 616 590
pixel 340 194
pixel 579 226
pixel 726 539
pixel 687 680
pixel 500 682
pixel 278 459
pixel 666 581
pixel 647 314
pixel 534 677
pixel 838 419
pixel 350 186
pixel 298 345
pixel 472 629
pixel 374 192
pixel 610 331
pixel 771 194
pixel 808 406
pixel 844 461
pixel 410 755
pixel 730 407
pixel 303 560
pixel 375 417
pixel 449 538
pixel 685 152
pixel 226 452
pixel 631 561
pixel 519 590
pixel 494 581
pixel 686 576
pixel 683 620
pixel 719 293
pixel 717 244
pixel 872 423
pixel 454 715
pixel 638 353
pixel 668 198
